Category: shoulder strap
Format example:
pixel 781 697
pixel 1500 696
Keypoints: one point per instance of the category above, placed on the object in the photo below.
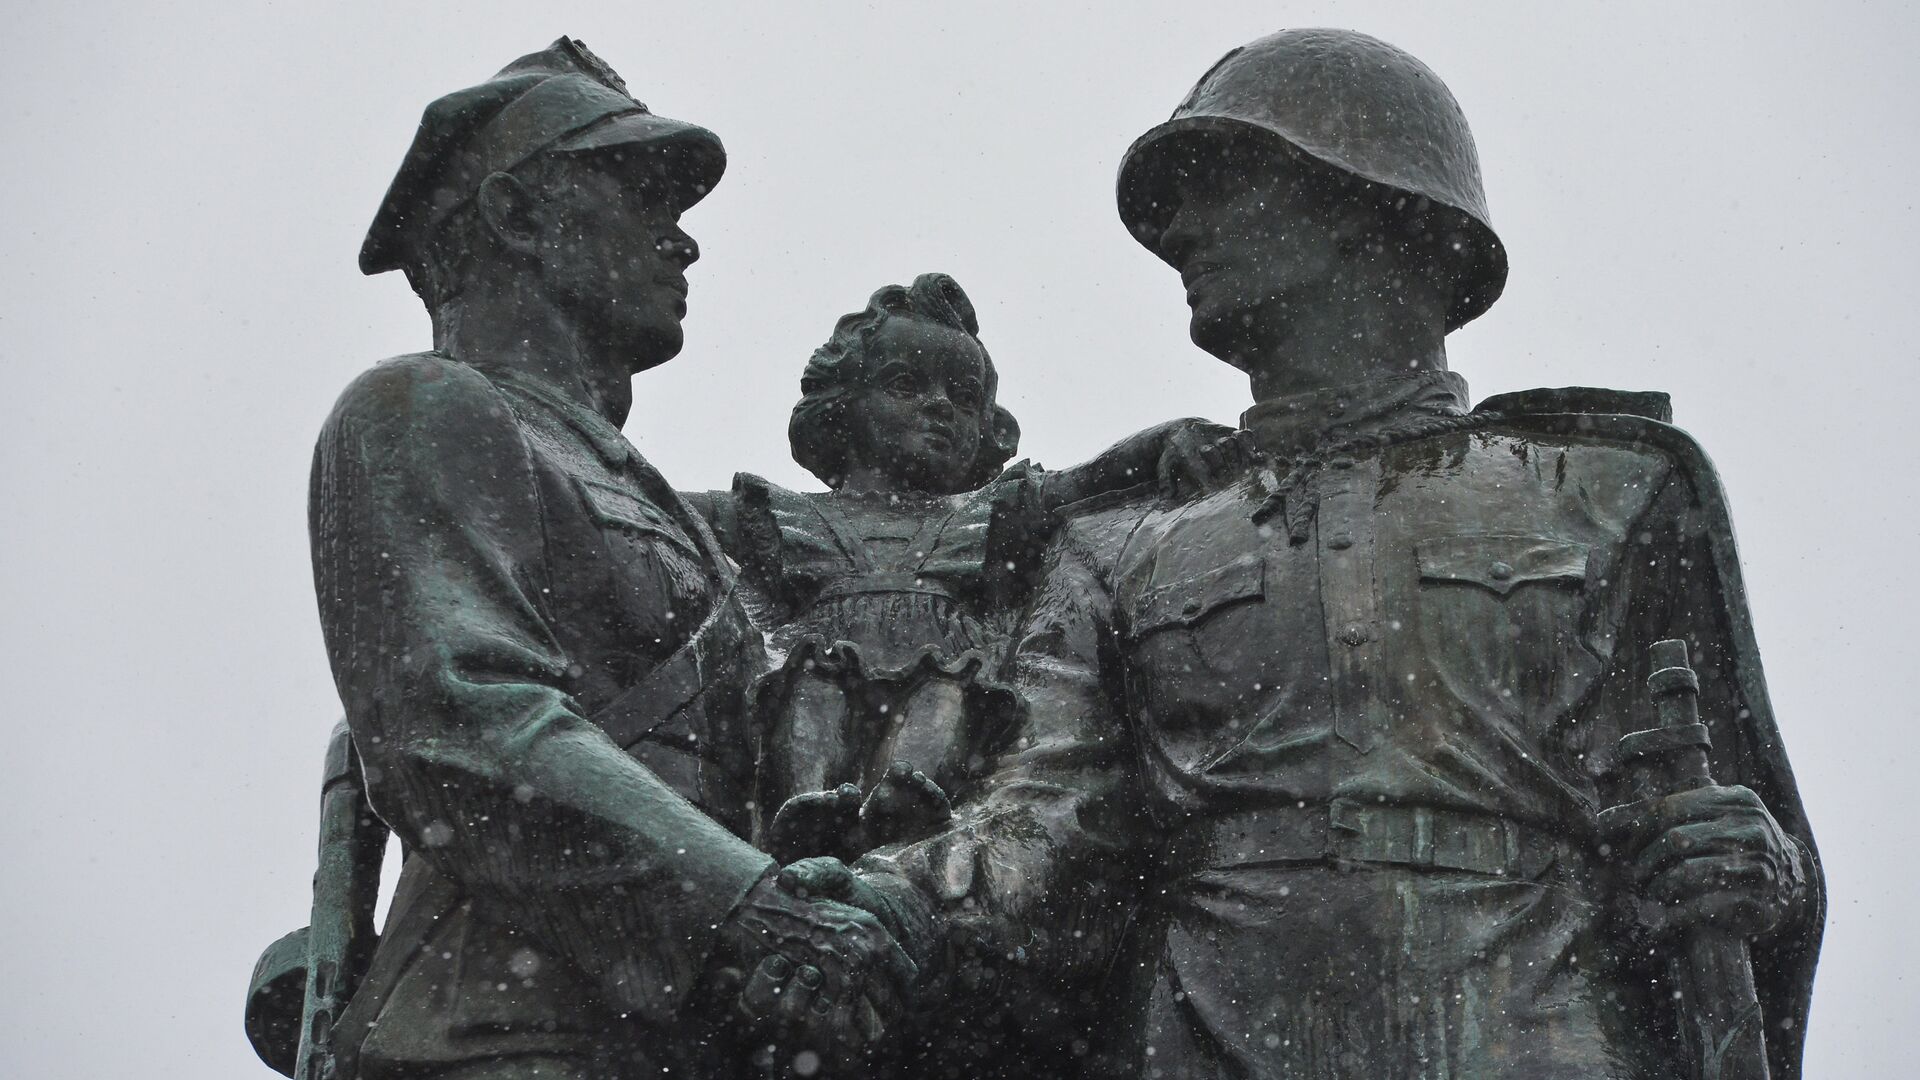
pixel 927 536
pixel 1589 400
pixel 678 680
pixel 843 533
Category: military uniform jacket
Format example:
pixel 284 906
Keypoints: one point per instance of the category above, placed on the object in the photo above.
pixel 1419 652
pixel 496 567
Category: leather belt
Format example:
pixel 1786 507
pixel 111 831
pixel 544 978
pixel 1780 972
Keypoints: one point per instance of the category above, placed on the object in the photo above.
pixel 1350 831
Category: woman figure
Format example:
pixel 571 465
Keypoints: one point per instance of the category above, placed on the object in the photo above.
pixel 886 587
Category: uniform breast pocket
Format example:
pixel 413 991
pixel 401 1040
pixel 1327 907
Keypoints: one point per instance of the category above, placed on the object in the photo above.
pixel 657 580
pixel 1186 633
pixel 620 510
pixel 1501 619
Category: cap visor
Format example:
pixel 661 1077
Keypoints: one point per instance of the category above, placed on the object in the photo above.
pixel 692 158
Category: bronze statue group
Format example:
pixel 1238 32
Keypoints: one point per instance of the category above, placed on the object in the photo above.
pixel 1333 744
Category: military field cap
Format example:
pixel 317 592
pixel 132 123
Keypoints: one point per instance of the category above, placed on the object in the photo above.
pixel 1347 100
pixel 561 99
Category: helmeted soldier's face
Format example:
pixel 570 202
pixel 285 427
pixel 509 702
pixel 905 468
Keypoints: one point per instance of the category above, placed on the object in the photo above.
pixel 1251 244
pixel 613 256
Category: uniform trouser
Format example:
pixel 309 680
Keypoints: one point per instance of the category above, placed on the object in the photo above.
pixel 478 1001
pixel 1311 971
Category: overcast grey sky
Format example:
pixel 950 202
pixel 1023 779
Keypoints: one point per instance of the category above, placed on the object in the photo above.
pixel 1710 199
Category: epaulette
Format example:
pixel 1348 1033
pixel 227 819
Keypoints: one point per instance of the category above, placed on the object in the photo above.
pixel 1592 400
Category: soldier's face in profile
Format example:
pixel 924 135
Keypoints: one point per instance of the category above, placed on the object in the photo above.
pixel 613 255
pixel 1252 237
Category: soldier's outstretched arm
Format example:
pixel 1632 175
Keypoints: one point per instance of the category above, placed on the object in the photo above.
pixel 431 568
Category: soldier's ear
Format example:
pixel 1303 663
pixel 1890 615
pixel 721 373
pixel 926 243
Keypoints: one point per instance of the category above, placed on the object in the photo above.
pixel 510 210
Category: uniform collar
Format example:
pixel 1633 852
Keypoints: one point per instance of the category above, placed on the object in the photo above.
pixel 1290 425
pixel 597 430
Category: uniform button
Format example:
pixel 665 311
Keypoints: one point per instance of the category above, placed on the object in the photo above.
pixel 1191 607
pixel 1500 571
pixel 1340 543
pixel 1354 634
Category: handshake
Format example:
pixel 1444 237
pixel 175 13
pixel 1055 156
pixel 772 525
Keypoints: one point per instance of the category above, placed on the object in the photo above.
pixel 822 960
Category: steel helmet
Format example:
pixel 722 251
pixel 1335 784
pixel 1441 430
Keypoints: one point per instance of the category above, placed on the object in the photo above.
pixel 1345 99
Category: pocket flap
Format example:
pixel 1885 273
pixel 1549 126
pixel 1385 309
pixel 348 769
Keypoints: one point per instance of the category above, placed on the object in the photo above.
pixel 612 506
pixel 1501 562
pixel 1191 599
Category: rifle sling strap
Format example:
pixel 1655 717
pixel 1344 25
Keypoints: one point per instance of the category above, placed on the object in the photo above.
pixel 680 680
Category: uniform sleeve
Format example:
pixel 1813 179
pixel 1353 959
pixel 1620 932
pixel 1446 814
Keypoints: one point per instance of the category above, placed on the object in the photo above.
pixel 1682 580
pixel 430 565
pixel 1676 582
pixel 1042 862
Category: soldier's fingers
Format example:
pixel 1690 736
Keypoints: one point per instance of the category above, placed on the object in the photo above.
pixel 1626 828
pixel 1699 840
pixel 1724 875
pixel 863 943
pixel 1739 913
pixel 853 998
pixel 1705 803
pixel 819 877
pixel 890 975
pixel 761 996
pixel 1630 828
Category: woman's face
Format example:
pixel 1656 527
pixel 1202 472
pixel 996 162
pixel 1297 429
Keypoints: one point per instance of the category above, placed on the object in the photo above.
pixel 915 424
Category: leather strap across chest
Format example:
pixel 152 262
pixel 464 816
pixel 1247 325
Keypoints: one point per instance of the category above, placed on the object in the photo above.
pixel 680 680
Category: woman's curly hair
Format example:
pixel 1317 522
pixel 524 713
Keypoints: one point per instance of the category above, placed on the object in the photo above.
pixel 845 365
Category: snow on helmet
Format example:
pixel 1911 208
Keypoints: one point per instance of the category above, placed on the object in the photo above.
pixel 1350 101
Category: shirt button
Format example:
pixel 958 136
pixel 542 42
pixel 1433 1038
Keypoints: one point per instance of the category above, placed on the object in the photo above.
pixel 1500 571
pixel 1339 543
pixel 1354 634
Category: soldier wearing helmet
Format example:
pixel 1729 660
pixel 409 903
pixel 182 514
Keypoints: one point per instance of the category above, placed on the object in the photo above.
pixel 1314 761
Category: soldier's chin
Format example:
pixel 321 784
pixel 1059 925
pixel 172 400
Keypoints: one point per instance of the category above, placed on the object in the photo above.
pixel 1215 331
pixel 651 346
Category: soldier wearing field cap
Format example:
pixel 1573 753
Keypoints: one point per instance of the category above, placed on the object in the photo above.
pixel 536 642
pixel 1327 748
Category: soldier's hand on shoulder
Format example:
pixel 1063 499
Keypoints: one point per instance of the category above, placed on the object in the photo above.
pixel 1709 856
pixel 1199 456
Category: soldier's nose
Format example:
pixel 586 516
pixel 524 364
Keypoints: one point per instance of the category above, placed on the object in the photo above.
pixel 679 247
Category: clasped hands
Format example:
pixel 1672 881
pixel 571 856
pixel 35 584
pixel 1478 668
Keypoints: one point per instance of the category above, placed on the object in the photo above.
pixel 822 959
